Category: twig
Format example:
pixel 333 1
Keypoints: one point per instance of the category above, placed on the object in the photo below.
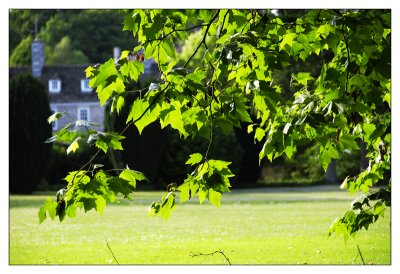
pixel 173 31
pixel 348 59
pixel 359 252
pixel 146 110
pixel 203 41
pixel 211 254
pixel 112 253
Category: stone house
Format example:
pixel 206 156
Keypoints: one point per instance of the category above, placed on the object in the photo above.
pixel 68 88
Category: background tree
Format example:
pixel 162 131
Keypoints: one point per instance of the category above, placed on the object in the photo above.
pixel 346 101
pixel 81 26
pixel 22 25
pixel 29 109
pixel 63 53
pixel 22 54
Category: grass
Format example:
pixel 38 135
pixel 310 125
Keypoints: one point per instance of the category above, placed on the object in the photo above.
pixel 259 226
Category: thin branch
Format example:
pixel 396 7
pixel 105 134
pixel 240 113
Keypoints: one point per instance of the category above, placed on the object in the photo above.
pixel 82 167
pixel 359 252
pixel 223 21
pixel 147 109
pixel 203 41
pixel 211 120
pixel 211 254
pixel 175 30
pixel 211 137
pixel 112 253
pixel 348 59
pixel 127 126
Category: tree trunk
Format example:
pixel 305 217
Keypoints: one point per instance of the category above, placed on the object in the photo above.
pixel 363 159
pixel 331 175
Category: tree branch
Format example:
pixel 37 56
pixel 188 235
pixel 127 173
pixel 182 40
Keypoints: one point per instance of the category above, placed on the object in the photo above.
pixel 211 254
pixel 348 59
pixel 175 30
pixel 147 109
pixel 112 253
pixel 203 41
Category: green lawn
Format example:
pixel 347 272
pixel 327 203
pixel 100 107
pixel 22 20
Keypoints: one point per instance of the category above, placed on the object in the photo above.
pixel 260 226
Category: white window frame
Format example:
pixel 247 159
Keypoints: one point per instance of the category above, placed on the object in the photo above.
pixel 85 86
pixel 54 86
pixel 87 112
pixel 54 125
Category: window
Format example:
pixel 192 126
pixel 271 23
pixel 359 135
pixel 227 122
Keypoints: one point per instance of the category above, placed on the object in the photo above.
pixel 83 114
pixel 55 86
pixel 85 85
pixel 54 125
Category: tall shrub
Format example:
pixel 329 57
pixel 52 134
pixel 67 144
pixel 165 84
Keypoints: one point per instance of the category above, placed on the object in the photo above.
pixel 29 155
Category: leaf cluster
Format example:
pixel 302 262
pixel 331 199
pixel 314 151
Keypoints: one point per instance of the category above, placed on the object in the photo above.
pixel 344 103
pixel 90 189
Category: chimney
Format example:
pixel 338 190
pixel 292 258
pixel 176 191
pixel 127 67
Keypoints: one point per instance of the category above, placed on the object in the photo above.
pixel 37 57
pixel 116 53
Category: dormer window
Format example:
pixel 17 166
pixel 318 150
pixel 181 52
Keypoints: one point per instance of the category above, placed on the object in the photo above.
pixel 54 86
pixel 85 85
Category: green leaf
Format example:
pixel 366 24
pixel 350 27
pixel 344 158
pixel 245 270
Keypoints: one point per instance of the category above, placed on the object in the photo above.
pixel 325 29
pixel 132 175
pixel 167 204
pixel 303 78
pixel 107 140
pixel 175 119
pixel 203 191
pixel 327 155
pixel 340 121
pixel 348 142
pixel 214 197
pixel 132 69
pixel 289 151
pixel 194 159
pixel 42 214
pixel 149 117
pixel 184 192
pixel 168 47
pixel 103 93
pixel 74 146
pixel 387 98
pixel 105 71
pixel 267 150
pixel 250 129
pixel 71 211
pixel 242 111
pixel 100 204
pixel 119 185
pixel 259 135
pixel 140 110
pixel 137 110
pixel 48 206
pixel 288 39
pixel 54 117
pixel 77 177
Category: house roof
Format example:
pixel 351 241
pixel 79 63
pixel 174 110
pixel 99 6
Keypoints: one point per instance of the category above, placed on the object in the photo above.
pixel 71 76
